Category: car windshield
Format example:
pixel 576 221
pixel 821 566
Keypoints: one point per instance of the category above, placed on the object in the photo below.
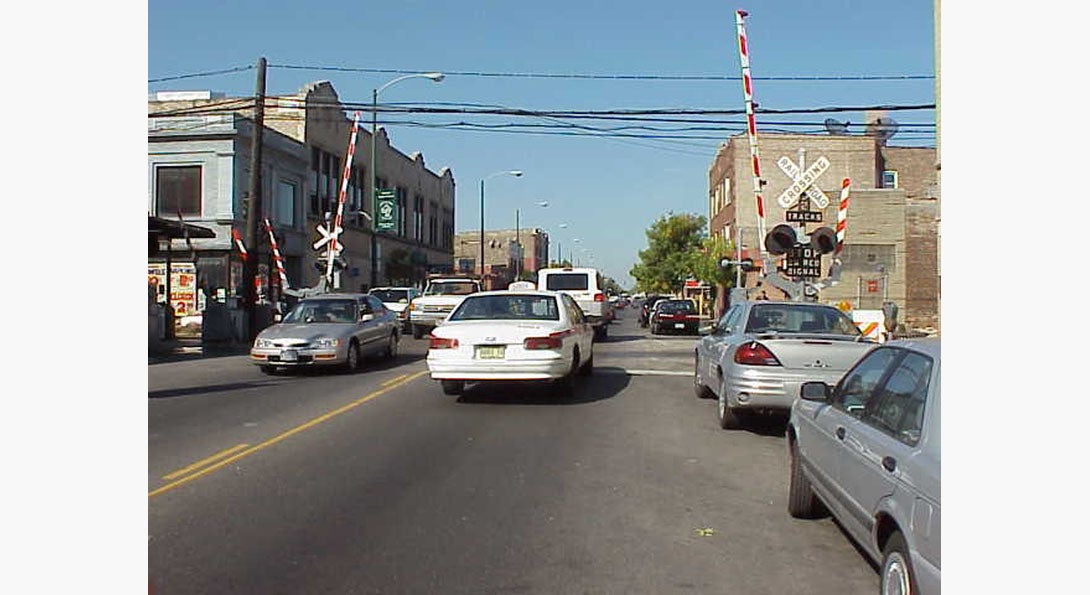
pixel 507 307
pixel 800 318
pixel 568 281
pixel 676 307
pixel 309 311
pixel 451 288
pixel 391 295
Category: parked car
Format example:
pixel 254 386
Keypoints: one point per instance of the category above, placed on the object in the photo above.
pixel 587 288
pixel 336 329
pixel 672 316
pixel 868 451
pixel 441 297
pixel 397 299
pixel 645 308
pixel 512 335
pixel 760 352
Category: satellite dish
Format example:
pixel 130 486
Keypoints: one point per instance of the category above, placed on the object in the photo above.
pixel 836 128
pixel 882 128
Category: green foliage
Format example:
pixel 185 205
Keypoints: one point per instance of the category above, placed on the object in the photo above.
pixel 704 265
pixel 672 241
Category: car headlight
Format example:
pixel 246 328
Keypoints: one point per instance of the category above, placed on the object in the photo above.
pixel 327 343
pixel 263 343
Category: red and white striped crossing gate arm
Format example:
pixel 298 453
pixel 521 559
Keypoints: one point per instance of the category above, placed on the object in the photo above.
pixel 842 215
pixel 235 235
pixel 276 256
pixel 345 176
pixel 751 129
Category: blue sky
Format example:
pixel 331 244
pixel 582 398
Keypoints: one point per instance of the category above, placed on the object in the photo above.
pixel 607 190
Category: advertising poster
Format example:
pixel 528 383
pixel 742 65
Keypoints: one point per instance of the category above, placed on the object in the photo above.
pixel 183 286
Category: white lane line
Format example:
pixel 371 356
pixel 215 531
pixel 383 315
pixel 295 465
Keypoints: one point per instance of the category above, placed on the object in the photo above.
pixel 628 372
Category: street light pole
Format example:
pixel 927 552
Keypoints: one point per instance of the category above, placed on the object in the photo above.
pixel 436 77
pixel 513 172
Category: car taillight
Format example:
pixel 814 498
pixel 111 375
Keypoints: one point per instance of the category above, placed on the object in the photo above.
pixel 441 343
pixel 599 297
pixel 755 354
pixel 553 341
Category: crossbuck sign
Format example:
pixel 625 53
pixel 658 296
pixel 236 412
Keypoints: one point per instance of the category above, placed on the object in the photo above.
pixel 803 183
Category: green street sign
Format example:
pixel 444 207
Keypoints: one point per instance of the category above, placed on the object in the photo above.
pixel 386 202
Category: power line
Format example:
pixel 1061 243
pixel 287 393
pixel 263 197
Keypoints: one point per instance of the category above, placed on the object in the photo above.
pixel 201 74
pixel 641 77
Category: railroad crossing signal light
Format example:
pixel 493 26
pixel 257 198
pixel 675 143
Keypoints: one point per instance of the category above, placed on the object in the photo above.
pixel 339 263
pixel 781 239
pixel 823 239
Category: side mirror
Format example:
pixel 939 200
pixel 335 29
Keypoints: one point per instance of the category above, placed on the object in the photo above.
pixel 814 391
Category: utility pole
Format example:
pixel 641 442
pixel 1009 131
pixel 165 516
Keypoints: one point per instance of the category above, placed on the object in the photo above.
pixel 253 203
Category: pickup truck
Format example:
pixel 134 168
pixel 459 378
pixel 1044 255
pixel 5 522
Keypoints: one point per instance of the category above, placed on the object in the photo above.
pixel 760 353
pixel 441 296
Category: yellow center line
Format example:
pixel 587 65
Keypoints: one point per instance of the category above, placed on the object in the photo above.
pixel 204 461
pixel 393 380
pixel 291 432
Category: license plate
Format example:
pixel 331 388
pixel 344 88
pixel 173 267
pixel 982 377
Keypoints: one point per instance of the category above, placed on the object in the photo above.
pixel 490 351
pixel 679 325
pixel 289 355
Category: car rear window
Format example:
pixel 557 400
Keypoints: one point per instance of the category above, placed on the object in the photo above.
pixel 391 295
pixel 674 307
pixel 507 307
pixel 451 288
pixel 567 281
pixel 799 318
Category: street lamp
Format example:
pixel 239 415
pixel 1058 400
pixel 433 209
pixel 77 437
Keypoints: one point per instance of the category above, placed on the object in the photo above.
pixel 513 172
pixel 434 77
pixel 518 241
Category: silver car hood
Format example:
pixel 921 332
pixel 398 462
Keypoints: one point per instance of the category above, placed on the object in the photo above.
pixel 307 332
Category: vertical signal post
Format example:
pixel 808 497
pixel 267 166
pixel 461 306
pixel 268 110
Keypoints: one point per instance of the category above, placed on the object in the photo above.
pixel 842 215
pixel 334 244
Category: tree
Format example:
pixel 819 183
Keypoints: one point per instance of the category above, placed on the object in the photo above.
pixel 672 241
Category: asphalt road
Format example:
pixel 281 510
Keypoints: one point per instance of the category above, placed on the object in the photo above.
pixel 376 482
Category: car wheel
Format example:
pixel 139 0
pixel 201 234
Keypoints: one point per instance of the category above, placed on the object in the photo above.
pixel 702 391
pixel 802 503
pixel 453 387
pixel 897 574
pixel 588 367
pixel 352 363
pixel 728 417
pixel 391 347
pixel 418 332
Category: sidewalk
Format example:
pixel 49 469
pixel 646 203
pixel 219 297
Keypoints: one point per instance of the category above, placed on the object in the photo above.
pixel 188 349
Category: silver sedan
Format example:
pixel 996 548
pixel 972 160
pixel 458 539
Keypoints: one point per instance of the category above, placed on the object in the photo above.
pixel 759 354
pixel 336 329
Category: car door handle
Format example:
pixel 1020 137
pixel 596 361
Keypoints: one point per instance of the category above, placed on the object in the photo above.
pixel 889 463
pixel 840 433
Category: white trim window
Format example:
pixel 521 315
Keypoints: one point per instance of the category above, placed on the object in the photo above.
pixel 889 179
pixel 178 190
pixel 287 193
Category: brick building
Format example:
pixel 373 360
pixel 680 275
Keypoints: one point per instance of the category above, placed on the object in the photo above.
pixel 501 254
pixel 891 244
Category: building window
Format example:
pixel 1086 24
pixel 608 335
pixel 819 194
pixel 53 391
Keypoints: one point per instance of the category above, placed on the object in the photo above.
pixel 178 190
pixel 284 210
pixel 889 179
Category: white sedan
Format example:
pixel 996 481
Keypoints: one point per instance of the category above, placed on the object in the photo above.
pixel 512 335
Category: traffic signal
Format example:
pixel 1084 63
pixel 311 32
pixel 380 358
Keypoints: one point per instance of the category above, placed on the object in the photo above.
pixel 823 239
pixel 339 263
pixel 781 239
